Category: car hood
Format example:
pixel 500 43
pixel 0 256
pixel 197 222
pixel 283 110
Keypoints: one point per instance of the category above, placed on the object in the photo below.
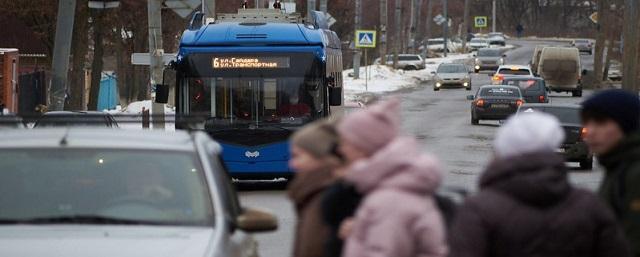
pixel 105 241
pixel 452 75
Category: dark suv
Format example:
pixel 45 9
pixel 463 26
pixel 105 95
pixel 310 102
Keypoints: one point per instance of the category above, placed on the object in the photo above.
pixel 533 89
pixel 574 149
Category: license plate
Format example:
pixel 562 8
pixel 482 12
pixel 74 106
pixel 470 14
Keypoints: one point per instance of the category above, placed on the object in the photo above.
pixel 500 106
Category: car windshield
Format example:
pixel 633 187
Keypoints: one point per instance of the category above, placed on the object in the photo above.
pixel 452 69
pixel 581 41
pixel 435 42
pixel 525 84
pixel 103 186
pixel 489 53
pixel 514 72
pixel 564 114
pixel 478 40
pixel 500 92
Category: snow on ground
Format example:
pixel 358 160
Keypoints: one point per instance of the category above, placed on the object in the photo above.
pixel 130 117
pixel 383 79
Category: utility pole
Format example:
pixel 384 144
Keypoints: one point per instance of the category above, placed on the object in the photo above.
pixel 630 55
pixel 465 26
pixel 61 52
pixel 600 42
pixel 156 52
pixel 383 31
pixel 493 16
pixel 397 32
pixel 323 6
pixel 427 25
pixel 356 55
pixel 446 26
pixel 412 26
pixel 209 7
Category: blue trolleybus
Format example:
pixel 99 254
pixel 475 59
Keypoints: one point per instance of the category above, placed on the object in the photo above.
pixel 250 80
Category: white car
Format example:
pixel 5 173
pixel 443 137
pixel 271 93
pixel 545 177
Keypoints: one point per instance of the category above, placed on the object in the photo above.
pixel 511 71
pixel 478 43
pixel 79 192
pixel 406 61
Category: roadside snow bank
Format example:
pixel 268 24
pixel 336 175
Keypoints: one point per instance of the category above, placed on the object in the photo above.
pixel 383 79
pixel 136 108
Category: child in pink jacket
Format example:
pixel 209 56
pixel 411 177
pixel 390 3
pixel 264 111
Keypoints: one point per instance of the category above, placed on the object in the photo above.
pixel 398 216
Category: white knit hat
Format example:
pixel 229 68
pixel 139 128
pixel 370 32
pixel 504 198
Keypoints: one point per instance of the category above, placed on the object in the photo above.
pixel 528 133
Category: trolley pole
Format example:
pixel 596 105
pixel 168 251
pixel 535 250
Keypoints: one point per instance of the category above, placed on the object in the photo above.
pixel 156 52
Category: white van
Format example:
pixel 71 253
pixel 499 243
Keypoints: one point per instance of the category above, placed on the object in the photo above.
pixel 560 67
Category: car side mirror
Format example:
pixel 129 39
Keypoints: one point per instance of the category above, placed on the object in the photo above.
pixel 584 72
pixel 254 220
pixel 433 72
pixel 162 90
pixel 475 55
pixel 504 55
pixel 471 97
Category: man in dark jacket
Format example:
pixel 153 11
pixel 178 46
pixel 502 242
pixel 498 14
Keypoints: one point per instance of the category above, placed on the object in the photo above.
pixel 612 122
pixel 527 207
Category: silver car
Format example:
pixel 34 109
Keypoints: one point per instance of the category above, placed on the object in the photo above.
pixel 451 74
pixel 99 192
pixel 488 59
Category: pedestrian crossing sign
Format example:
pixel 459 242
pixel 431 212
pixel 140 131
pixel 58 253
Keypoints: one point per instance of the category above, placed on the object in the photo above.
pixel 480 21
pixel 366 38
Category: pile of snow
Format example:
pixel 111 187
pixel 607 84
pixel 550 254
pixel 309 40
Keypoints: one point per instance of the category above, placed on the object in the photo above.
pixel 137 107
pixel 383 79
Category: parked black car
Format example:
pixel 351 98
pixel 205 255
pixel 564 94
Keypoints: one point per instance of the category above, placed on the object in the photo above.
pixel 68 119
pixel 574 149
pixel 533 89
pixel 495 102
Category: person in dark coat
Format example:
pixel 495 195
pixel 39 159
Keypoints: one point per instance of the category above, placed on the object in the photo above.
pixel 612 122
pixel 526 205
pixel 313 157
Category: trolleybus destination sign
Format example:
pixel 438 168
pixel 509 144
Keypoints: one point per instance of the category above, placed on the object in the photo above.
pixel 245 62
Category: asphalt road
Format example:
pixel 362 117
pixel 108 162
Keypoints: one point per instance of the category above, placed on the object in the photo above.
pixel 441 121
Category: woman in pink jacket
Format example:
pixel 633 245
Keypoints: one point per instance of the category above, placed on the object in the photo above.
pixel 398 216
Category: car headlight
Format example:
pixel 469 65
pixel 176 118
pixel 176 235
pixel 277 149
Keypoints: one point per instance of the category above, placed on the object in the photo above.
pixel 465 84
pixel 438 84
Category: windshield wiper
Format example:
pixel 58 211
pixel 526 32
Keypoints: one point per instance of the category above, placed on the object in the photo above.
pixel 78 219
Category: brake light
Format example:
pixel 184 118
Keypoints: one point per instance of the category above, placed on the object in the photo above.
pixel 541 98
pixel 519 102
pixel 583 133
pixel 498 77
pixel 480 103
